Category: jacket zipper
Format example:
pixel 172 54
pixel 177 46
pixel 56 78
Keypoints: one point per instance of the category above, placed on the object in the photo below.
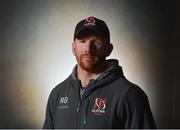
pixel 78 110
pixel 85 114
pixel 84 121
pixel 82 114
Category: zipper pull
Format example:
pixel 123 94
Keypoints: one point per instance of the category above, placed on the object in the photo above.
pixel 84 120
pixel 78 108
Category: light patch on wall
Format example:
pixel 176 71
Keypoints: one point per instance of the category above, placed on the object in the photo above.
pixel 52 60
pixel 45 50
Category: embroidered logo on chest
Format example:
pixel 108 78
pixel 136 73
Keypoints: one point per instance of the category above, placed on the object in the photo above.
pixel 99 106
pixel 63 103
pixel 63 100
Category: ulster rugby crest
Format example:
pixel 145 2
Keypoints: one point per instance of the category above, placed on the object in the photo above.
pixel 99 106
pixel 89 21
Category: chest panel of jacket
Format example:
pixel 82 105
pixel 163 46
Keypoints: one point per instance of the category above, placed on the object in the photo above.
pixel 95 111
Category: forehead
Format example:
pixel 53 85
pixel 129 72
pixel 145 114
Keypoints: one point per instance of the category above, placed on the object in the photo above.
pixel 89 33
pixel 90 37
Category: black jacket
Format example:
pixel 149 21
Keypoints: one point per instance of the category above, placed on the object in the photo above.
pixel 110 101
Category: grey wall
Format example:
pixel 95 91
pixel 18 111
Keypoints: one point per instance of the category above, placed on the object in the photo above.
pixel 35 53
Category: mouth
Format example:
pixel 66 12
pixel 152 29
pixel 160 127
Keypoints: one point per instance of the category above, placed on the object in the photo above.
pixel 88 57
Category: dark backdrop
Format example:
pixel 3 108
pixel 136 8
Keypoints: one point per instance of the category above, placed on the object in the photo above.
pixel 30 49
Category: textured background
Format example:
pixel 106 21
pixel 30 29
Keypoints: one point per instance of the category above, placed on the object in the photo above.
pixel 35 53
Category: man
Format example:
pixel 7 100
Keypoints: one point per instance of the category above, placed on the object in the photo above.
pixel 96 94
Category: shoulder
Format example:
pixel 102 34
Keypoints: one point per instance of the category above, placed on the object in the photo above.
pixel 131 97
pixel 133 94
pixel 60 88
pixel 134 108
pixel 128 91
pixel 127 88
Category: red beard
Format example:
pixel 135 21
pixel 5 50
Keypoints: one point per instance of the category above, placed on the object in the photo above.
pixel 89 62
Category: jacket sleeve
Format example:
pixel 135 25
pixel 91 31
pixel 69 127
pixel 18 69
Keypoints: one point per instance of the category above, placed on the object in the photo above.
pixel 48 123
pixel 136 112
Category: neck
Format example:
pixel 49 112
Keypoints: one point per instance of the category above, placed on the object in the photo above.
pixel 85 76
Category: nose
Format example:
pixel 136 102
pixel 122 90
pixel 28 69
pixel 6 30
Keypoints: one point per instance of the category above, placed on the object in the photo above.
pixel 90 47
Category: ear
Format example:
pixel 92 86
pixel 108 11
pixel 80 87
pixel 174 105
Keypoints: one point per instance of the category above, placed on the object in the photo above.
pixel 109 49
pixel 74 48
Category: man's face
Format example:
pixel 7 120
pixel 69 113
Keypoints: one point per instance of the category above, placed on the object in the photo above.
pixel 90 52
